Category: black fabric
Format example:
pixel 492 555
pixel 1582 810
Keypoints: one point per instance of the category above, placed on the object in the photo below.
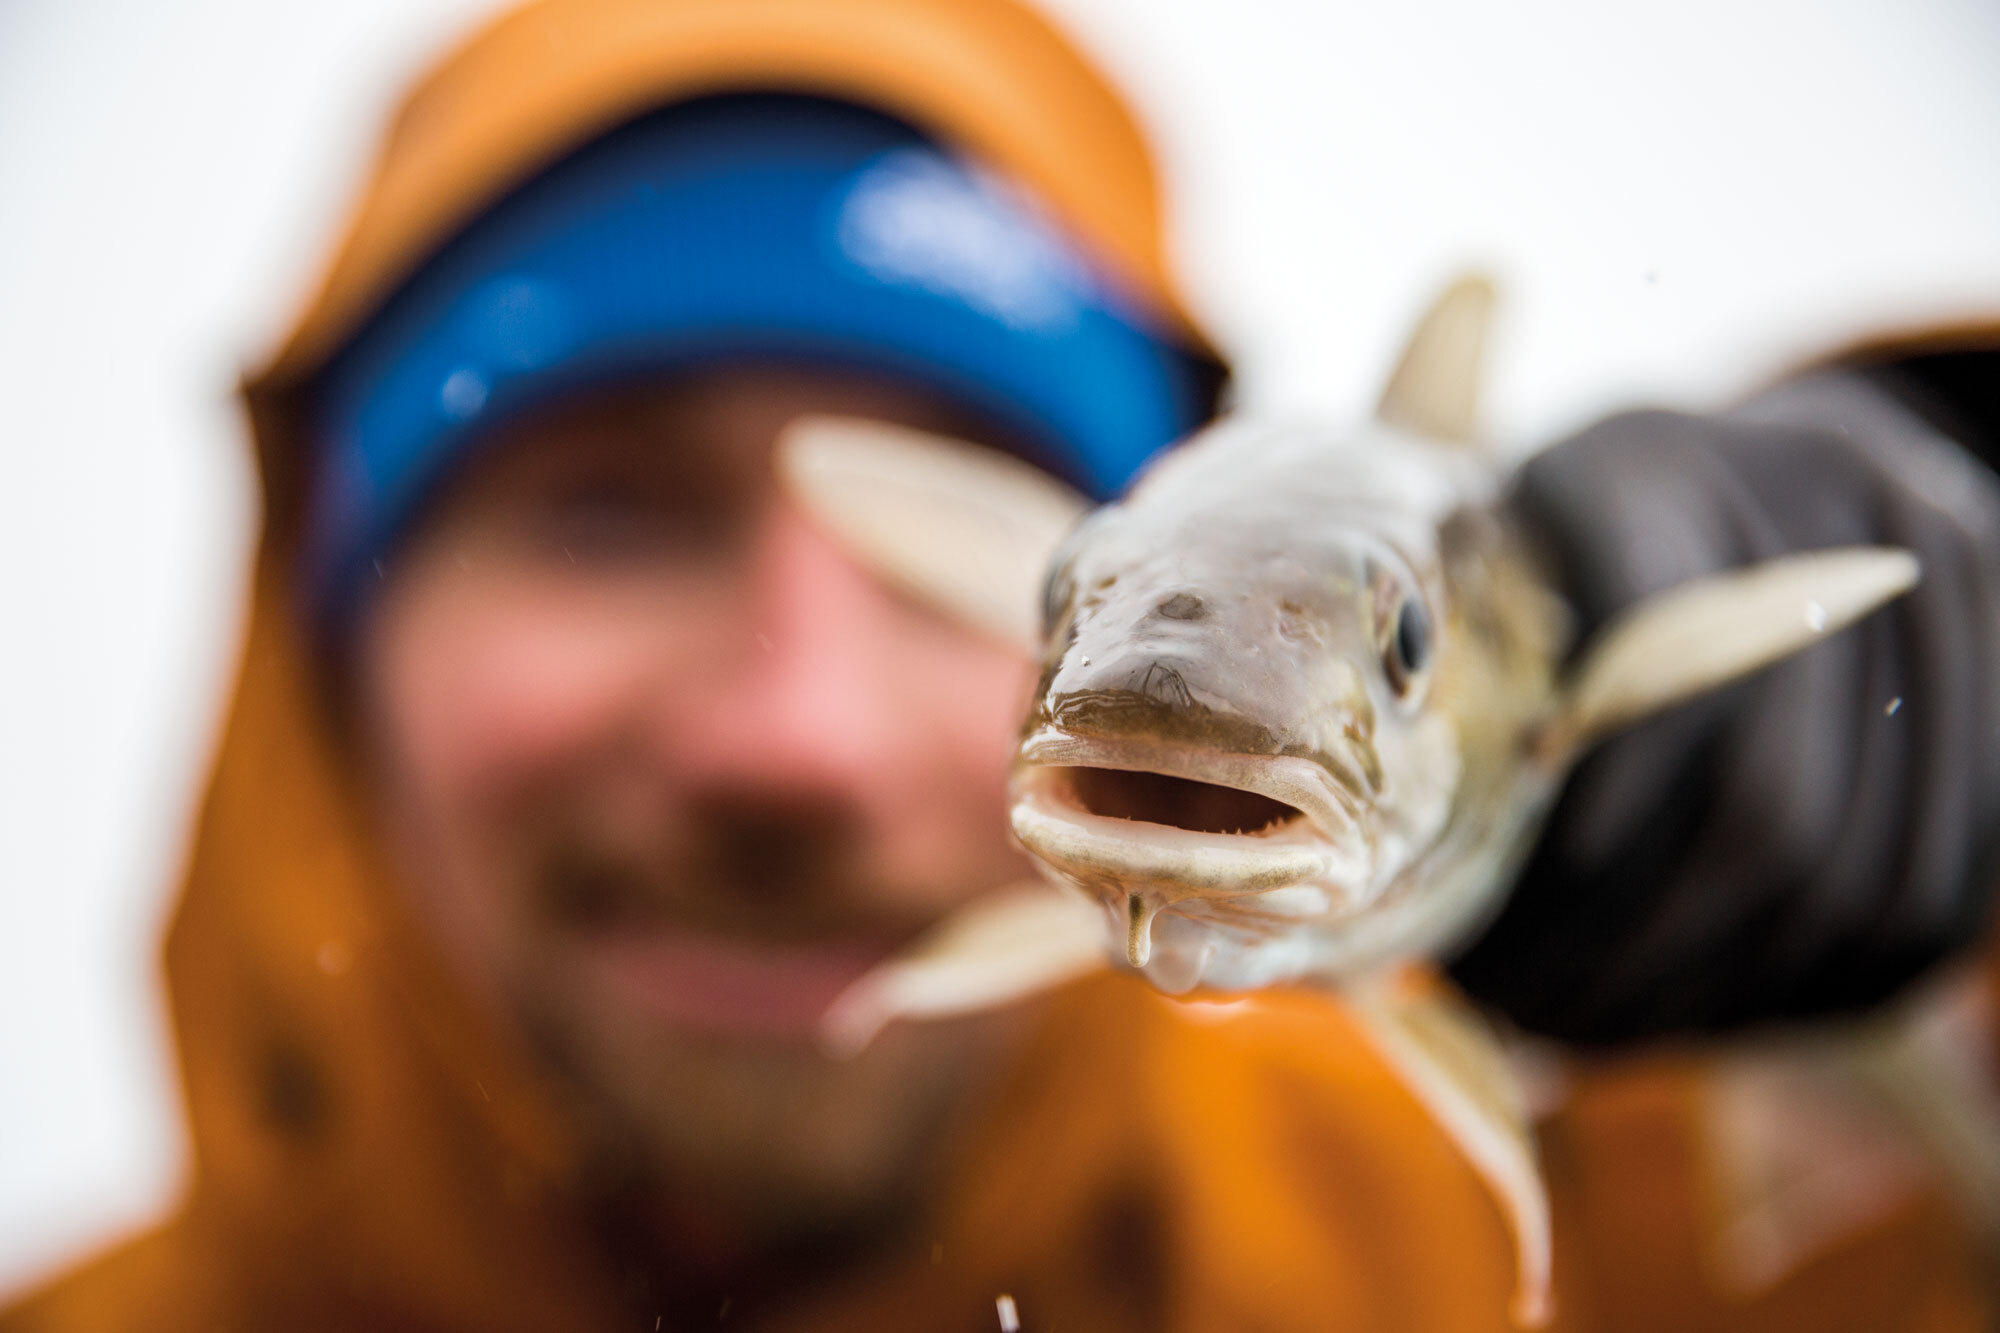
pixel 1810 840
pixel 1956 391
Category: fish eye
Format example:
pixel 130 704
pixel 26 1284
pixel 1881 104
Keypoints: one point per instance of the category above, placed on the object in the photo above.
pixel 1408 650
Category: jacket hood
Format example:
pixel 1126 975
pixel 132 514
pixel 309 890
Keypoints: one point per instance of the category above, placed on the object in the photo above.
pixel 350 1113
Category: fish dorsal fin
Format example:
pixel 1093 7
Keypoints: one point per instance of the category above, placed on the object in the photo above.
pixel 1453 1064
pixel 965 528
pixel 994 951
pixel 1434 390
pixel 1706 633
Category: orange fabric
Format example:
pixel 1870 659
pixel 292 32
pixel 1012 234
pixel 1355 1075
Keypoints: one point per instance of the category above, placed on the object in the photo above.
pixel 369 1155
pixel 1626 1161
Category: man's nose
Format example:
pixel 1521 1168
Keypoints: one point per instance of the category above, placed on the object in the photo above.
pixel 800 701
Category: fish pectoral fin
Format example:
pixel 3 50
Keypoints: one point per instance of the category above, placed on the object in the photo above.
pixel 1699 635
pixel 995 951
pixel 1925 1062
pixel 1434 390
pixel 1451 1061
pixel 966 529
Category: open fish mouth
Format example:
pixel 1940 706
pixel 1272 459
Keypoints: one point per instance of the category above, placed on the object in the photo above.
pixel 1149 826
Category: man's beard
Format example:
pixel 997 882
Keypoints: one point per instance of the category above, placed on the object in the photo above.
pixel 775 1141
pixel 785 1148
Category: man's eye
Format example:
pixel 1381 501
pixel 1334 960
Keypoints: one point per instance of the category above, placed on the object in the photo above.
pixel 621 524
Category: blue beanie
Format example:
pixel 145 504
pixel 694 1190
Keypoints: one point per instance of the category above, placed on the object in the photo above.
pixel 741 226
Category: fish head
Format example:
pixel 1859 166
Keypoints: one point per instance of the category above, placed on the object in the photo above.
pixel 1242 726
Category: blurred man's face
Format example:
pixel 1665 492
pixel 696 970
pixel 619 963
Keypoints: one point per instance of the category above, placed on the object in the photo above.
pixel 665 771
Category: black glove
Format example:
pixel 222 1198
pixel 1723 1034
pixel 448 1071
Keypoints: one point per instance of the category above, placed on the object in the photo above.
pixel 1808 841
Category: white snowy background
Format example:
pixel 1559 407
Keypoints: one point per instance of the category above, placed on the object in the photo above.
pixel 1682 197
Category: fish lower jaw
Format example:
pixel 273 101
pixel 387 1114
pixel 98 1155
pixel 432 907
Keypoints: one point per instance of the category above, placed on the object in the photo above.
pixel 1186 949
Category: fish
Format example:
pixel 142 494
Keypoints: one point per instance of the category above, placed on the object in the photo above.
pixel 1305 700
pixel 1307 694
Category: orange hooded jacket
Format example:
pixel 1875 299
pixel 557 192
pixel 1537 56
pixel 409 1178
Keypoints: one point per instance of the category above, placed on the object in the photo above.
pixel 368 1154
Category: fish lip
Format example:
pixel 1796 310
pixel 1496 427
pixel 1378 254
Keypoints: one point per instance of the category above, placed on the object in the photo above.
pixel 1287 779
pixel 1176 863
pixel 1172 863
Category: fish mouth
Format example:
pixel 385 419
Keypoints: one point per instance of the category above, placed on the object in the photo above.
pixel 1148 826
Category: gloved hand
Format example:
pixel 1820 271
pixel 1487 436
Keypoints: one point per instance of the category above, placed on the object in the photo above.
pixel 1809 841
